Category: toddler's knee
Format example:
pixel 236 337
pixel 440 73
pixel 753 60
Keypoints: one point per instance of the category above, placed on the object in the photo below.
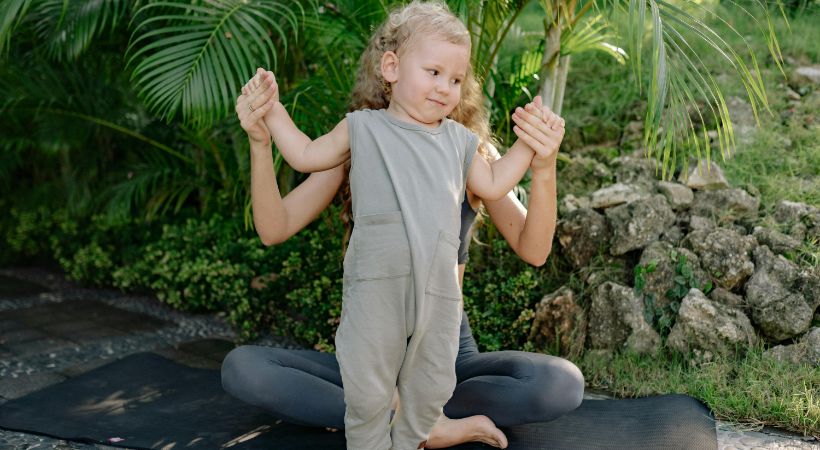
pixel 367 405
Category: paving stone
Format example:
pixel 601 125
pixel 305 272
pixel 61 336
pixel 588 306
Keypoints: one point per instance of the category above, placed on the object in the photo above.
pixel 40 315
pixel 9 325
pixel 15 387
pixel 21 335
pixel 65 329
pixel 95 333
pixel 5 353
pixel 37 346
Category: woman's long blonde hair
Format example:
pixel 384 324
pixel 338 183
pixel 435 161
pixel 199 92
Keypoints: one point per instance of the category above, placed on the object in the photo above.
pixel 402 29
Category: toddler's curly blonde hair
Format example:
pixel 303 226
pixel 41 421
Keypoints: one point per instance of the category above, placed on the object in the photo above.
pixel 405 27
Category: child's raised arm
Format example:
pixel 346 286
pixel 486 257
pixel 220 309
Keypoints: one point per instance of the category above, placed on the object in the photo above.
pixel 491 181
pixel 302 153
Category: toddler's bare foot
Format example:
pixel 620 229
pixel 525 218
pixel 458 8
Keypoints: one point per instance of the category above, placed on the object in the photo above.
pixel 448 432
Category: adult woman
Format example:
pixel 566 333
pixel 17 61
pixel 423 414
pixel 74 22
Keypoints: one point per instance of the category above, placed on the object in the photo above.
pixel 497 388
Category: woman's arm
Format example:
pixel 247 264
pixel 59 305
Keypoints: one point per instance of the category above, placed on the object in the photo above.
pixel 530 233
pixel 277 219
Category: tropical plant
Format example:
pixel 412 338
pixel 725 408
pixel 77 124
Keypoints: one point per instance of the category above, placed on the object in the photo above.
pixel 679 78
pixel 68 90
pixel 186 60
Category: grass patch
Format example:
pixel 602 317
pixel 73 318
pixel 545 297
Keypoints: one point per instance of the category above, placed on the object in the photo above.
pixel 748 390
pixel 783 160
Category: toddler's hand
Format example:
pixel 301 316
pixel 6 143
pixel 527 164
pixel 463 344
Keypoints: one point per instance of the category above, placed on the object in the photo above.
pixel 263 84
pixel 542 130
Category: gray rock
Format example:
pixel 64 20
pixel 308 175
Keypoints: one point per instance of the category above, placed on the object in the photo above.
pixel 636 224
pixel 808 284
pixel 743 119
pixel 559 324
pixel 787 211
pixel 725 202
pixel 704 177
pixel 570 203
pixel 583 233
pixel 701 223
pixel 798 231
pixel 727 298
pixel 805 76
pixel 665 259
pixel 583 176
pixel 635 170
pixel 784 318
pixel 616 321
pixel 632 136
pixel 724 255
pixel 778 242
pixel 617 194
pixel 710 327
pixel 673 235
pixel 807 350
pixel 679 196
pixel 608 268
pixel 777 308
pixel 791 95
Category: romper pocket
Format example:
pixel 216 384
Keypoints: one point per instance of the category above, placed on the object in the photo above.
pixel 443 278
pixel 381 249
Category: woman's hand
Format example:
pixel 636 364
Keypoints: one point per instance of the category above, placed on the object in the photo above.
pixel 542 130
pixel 258 96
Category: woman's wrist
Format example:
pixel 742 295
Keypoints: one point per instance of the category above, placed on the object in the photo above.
pixel 260 146
pixel 543 173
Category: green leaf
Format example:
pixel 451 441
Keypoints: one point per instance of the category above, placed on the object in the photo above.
pixel 193 59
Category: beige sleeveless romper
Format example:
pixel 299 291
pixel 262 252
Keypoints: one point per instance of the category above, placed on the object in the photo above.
pixel 400 312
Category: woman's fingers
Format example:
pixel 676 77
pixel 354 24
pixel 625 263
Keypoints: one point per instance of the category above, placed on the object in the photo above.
pixel 530 124
pixel 249 118
pixel 541 138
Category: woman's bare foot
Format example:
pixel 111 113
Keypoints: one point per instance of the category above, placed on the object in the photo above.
pixel 448 432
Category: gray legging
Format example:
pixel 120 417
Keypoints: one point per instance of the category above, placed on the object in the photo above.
pixel 304 386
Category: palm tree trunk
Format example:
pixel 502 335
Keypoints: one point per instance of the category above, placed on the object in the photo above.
pixel 549 65
pixel 560 84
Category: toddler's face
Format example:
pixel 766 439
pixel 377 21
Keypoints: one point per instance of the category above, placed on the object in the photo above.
pixel 428 79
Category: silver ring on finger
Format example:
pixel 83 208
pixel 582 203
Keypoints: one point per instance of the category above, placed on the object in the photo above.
pixel 250 106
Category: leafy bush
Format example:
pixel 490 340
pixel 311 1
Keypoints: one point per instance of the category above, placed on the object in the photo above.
pixel 90 250
pixel 500 294
pixel 305 299
pixel 24 233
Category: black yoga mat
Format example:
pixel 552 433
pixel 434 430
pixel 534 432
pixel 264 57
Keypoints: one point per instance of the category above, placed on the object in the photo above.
pixel 150 402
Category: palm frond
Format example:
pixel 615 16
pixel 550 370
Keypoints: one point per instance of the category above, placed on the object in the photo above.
pixel 591 34
pixel 489 23
pixel 150 188
pixel 680 79
pixel 194 59
pixel 69 28
pixel 15 11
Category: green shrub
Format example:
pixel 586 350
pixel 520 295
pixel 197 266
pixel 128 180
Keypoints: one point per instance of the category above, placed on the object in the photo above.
pixel 305 299
pixel 25 233
pixel 500 294
pixel 90 250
